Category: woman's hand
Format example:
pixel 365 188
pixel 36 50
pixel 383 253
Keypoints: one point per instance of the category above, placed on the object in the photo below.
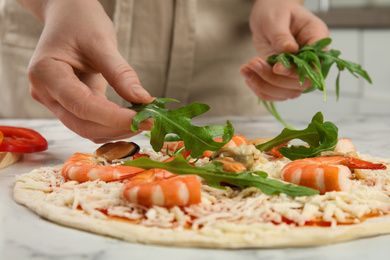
pixel 279 26
pixel 75 58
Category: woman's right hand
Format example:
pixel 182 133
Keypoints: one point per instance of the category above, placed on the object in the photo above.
pixel 75 58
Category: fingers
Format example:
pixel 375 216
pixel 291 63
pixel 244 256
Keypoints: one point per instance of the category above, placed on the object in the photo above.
pixel 94 131
pixel 54 84
pixel 121 76
pixel 95 82
pixel 75 58
pixel 270 86
pixel 280 69
pixel 309 28
pixel 278 26
pixel 280 36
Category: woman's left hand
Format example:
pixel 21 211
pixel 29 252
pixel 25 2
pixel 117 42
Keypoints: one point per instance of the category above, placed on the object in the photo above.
pixel 279 26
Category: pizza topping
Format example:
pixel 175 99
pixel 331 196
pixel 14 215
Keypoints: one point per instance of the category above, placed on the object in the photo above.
pixel 237 140
pixel 325 173
pixel 162 188
pixel 230 165
pixel 219 210
pixel 319 135
pixel 82 167
pixel 116 150
pixel 274 151
pixel 345 145
pixel 201 140
pixel 173 147
pixel 21 140
pixel 214 175
pixel 170 147
pixel 243 154
pixel 197 139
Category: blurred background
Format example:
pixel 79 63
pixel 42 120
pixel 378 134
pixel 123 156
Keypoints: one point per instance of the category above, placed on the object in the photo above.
pixel 360 29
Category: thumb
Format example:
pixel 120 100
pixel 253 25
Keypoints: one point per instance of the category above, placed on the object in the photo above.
pixel 281 37
pixel 122 77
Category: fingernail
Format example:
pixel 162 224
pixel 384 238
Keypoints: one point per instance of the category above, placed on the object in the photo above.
pixel 140 92
pixel 281 69
pixel 259 66
pixel 289 46
pixel 246 73
pixel 285 44
pixel 146 125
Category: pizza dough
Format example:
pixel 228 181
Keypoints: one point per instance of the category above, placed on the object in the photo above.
pixel 224 219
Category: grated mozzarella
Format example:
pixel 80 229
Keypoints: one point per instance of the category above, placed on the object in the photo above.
pixel 220 209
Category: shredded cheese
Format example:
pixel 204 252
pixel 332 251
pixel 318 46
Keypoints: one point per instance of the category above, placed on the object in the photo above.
pixel 221 209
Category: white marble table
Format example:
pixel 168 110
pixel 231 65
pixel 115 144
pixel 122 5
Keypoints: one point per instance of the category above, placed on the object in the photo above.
pixel 24 235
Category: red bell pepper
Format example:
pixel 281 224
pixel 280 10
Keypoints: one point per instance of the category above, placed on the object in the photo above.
pixel 21 140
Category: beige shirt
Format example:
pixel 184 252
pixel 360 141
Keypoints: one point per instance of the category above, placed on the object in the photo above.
pixel 190 50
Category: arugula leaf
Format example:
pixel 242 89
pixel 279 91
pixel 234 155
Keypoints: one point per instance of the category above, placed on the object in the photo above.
pixel 313 63
pixel 214 175
pixel 178 121
pixel 319 45
pixel 172 138
pixel 319 135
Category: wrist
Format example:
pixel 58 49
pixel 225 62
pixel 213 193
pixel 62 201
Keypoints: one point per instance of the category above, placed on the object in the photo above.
pixel 35 7
pixel 42 9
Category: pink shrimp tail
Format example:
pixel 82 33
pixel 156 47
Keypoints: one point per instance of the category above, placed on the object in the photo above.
pixel 81 167
pixel 326 173
pixel 162 188
pixel 354 163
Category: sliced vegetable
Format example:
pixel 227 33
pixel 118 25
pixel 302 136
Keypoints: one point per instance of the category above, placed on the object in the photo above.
pixel 1 137
pixel 21 140
pixel 319 135
pixel 214 175
pixel 178 121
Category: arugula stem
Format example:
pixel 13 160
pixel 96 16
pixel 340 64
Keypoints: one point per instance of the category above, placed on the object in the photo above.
pixel 270 106
pixel 322 79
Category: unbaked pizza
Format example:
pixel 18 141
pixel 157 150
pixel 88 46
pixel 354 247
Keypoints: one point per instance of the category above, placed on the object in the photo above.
pixel 235 197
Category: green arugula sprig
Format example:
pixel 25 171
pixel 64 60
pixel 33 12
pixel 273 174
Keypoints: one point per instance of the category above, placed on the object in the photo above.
pixel 178 121
pixel 319 135
pixel 270 106
pixel 215 177
pixel 313 62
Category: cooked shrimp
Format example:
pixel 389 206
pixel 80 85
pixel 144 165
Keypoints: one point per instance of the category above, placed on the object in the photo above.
pixel 162 188
pixel 230 165
pixel 325 173
pixel 275 150
pixel 172 146
pixel 235 141
pixel 344 145
pixel 81 167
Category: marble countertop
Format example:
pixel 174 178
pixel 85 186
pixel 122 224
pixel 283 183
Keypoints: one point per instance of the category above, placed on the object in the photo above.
pixel 24 235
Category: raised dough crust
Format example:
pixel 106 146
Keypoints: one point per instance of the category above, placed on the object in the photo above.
pixel 263 237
